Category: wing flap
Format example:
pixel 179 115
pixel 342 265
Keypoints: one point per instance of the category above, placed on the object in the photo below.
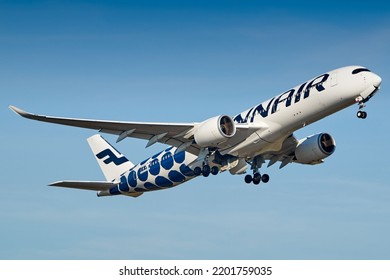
pixel 175 134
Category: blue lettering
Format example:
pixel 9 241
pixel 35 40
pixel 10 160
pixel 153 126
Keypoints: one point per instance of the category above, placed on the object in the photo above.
pixel 239 118
pixel 279 99
pixel 260 110
pixel 318 85
pixel 298 94
pixel 285 97
pixel 252 113
pixel 248 114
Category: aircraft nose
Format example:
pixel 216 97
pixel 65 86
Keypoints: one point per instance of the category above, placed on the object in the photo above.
pixel 375 80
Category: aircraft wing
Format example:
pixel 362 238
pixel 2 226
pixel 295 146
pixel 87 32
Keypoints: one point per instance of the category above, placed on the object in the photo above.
pixel 168 133
pixel 175 134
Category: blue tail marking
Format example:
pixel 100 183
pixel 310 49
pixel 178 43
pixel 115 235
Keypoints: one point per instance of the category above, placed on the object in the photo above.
pixel 111 157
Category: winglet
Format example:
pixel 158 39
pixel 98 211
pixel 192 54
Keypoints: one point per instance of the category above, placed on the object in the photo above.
pixel 19 111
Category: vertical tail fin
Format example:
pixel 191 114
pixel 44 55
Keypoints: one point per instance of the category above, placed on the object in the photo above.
pixel 112 163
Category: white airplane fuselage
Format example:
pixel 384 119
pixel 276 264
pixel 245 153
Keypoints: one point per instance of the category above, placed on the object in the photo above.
pixel 273 121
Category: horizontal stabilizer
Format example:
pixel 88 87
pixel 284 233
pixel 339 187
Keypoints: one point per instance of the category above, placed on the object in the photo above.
pixel 102 187
pixel 85 185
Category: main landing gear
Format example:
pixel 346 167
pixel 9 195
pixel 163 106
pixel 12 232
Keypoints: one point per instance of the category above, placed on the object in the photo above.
pixel 206 170
pixel 257 178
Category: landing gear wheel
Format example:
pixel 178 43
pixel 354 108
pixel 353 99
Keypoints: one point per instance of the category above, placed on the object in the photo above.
pixel 248 179
pixel 206 170
pixel 214 170
pixel 197 171
pixel 265 178
pixel 256 178
pixel 361 114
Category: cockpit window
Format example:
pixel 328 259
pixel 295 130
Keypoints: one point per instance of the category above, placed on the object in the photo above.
pixel 358 70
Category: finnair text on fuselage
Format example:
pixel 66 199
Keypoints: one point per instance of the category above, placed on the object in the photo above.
pixel 271 106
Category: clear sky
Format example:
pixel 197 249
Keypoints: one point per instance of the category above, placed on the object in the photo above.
pixel 184 61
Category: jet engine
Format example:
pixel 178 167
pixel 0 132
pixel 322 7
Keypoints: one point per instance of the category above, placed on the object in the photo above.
pixel 313 149
pixel 214 131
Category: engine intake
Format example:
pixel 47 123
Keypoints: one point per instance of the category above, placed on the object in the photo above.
pixel 214 131
pixel 313 149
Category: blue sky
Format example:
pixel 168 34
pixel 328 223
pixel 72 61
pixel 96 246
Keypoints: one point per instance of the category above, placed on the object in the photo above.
pixel 170 61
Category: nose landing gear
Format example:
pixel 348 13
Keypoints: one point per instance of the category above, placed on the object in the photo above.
pixel 361 114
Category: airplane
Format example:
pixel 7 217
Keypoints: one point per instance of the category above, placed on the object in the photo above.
pixel 223 143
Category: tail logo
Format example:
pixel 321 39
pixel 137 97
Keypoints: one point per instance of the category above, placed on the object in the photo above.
pixel 111 157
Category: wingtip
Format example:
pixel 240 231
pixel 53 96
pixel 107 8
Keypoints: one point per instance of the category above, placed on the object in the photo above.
pixel 54 184
pixel 13 108
pixel 18 110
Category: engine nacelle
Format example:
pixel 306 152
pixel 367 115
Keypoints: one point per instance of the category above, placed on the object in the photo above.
pixel 313 149
pixel 214 131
